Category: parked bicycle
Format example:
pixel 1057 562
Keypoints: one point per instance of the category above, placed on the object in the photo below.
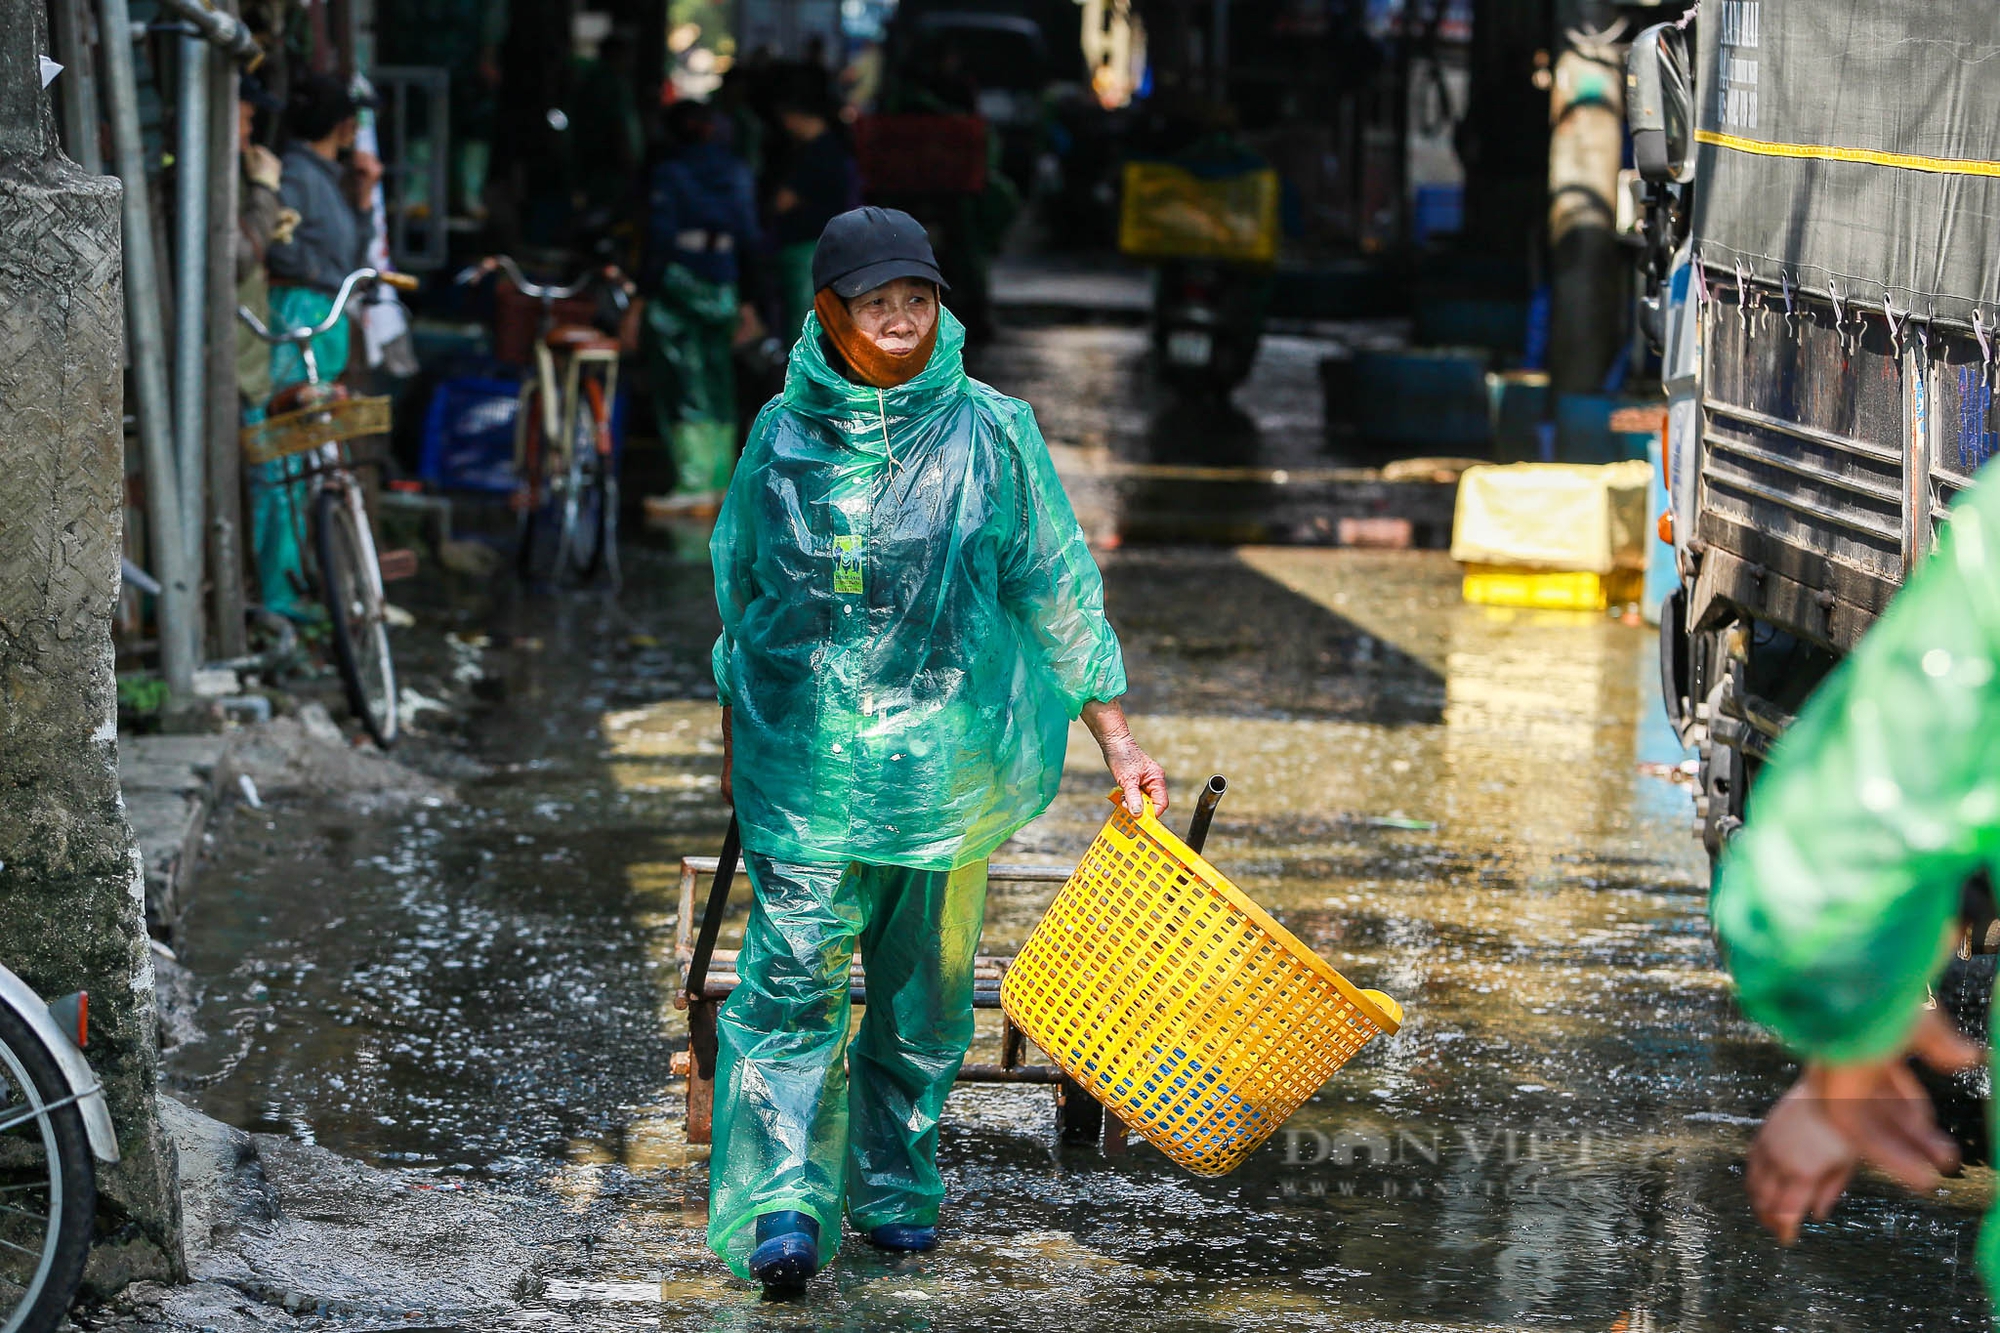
pixel 562 433
pixel 54 1128
pixel 309 426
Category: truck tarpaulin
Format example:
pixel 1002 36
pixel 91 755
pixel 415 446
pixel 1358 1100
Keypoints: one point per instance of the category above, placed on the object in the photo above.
pixel 1853 147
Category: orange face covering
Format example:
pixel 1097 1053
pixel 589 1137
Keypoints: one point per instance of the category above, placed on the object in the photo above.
pixel 869 363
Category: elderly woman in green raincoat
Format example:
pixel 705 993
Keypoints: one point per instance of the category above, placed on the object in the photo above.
pixel 911 619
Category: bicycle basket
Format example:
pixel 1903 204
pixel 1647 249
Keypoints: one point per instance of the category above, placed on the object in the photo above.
pixel 307 428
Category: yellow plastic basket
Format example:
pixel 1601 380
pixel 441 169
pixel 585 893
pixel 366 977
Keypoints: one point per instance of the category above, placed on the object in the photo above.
pixel 1179 1003
pixel 309 427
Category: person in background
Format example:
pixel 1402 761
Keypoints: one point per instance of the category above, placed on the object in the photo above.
pixel 815 182
pixel 610 136
pixel 329 184
pixel 328 241
pixel 262 218
pixel 1836 905
pixel 968 226
pixel 701 250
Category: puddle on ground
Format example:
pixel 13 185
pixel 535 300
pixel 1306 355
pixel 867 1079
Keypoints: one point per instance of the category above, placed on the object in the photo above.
pixel 1448 802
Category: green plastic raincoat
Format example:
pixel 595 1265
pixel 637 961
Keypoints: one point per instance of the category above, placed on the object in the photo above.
pixel 910 620
pixel 910 617
pixel 1833 902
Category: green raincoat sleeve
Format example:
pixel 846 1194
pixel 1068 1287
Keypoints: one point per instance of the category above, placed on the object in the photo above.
pixel 732 551
pixel 1049 582
pixel 1833 902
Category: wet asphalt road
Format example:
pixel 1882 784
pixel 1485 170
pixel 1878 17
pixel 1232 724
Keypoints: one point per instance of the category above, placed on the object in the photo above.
pixel 1456 805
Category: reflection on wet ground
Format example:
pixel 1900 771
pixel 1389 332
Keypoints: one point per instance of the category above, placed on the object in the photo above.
pixel 1446 801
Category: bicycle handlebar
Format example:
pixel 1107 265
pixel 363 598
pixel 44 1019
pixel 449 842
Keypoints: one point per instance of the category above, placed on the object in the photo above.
pixel 534 291
pixel 402 281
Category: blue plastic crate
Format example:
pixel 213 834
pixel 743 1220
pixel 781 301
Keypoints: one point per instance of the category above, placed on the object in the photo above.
pixel 469 435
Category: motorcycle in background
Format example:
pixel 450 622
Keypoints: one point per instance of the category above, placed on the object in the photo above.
pixel 1208 220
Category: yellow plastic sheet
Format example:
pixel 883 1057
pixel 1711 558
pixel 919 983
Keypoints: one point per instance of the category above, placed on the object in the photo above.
pixel 1553 516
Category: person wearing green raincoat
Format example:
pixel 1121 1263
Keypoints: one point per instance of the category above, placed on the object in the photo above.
pixel 307 267
pixel 1836 905
pixel 911 619
pixel 701 239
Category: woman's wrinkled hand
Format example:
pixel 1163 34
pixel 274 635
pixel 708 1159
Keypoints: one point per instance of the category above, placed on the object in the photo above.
pixel 1138 776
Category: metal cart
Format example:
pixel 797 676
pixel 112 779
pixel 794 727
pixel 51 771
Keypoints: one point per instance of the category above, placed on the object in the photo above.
pixel 708 976
pixel 1080 1117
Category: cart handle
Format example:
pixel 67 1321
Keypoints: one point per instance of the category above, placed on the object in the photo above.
pixel 718 903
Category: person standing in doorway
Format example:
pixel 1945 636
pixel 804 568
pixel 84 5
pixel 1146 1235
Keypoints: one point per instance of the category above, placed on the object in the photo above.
pixel 262 218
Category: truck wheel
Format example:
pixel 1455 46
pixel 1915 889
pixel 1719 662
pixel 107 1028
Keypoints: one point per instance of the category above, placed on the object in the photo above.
pixel 1724 782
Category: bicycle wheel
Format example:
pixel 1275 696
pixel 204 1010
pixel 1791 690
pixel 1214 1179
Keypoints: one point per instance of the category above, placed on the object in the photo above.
pixel 360 630
pixel 587 506
pixel 48 1184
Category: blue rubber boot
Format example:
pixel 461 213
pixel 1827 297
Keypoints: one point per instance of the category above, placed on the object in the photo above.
pixel 787 1253
pixel 903 1236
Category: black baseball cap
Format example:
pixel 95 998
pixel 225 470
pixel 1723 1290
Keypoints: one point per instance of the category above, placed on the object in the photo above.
pixel 318 103
pixel 251 89
pixel 866 247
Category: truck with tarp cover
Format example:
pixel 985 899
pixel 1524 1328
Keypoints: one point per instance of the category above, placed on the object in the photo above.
pixel 1822 237
pixel 1823 224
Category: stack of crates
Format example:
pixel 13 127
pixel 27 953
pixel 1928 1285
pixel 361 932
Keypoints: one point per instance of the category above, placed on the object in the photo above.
pixel 1553 536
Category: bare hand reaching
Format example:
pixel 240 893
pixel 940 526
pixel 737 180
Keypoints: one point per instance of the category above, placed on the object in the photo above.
pixel 1837 1116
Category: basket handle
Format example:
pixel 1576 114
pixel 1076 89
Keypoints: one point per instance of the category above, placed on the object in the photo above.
pixel 1387 1004
pixel 1204 810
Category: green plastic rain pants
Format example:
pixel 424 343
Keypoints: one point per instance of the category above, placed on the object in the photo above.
pixel 690 327
pixel 1833 902
pixel 805 1121
pixel 277 504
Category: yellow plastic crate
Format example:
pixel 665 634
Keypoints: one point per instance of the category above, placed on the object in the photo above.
pixel 1168 212
pixel 1179 1003
pixel 1551 589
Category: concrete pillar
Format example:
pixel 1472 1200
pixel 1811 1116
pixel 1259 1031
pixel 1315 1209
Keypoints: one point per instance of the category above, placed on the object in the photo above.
pixel 71 887
pixel 1590 274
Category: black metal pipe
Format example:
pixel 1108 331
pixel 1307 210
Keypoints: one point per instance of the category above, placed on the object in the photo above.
pixel 1002 1074
pixel 1204 811
pixel 702 986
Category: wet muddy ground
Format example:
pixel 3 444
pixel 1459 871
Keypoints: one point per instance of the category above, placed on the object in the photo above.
pixel 1460 806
